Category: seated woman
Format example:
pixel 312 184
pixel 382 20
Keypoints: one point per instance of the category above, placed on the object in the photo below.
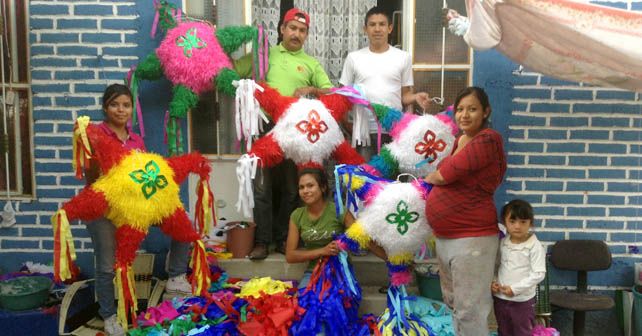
pixel 315 223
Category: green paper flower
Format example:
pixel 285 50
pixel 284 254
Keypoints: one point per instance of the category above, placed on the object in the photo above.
pixel 150 178
pixel 402 217
pixel 189 42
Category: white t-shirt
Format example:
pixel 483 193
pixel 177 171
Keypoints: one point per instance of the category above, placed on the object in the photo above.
pixel 522 266
pixel 379 75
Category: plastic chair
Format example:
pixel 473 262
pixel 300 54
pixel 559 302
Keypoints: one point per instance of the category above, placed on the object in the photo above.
pixel 147 288
pixel 581 256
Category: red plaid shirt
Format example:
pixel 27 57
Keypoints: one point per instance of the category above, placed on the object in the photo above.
pixel 464 206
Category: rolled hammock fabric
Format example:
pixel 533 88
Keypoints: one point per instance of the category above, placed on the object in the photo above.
pixel 566 39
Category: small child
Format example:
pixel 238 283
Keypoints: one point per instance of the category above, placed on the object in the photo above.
pixel 522 265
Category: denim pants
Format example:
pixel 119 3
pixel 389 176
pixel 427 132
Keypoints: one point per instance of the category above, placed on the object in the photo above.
pixel 275 197
pixel 103 238
pixel 305 279
pixel 466 269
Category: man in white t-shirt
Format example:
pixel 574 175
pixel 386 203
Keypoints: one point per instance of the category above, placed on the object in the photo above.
pixel 382 73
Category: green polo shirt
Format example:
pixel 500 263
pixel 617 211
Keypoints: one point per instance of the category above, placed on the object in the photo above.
pixel 288 70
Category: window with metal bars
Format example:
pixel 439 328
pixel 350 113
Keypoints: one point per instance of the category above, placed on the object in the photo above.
pixel 212 125
pixel 212 129
pixel 427 41
pixel 16 160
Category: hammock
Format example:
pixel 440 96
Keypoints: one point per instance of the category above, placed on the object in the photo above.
pixel 570 40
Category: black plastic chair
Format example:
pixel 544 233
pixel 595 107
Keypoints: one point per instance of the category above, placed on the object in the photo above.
pixel 581 256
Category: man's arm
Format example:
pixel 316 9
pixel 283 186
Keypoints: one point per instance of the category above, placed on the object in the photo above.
pixel 320 81
pixel 309 90
pixel 409 97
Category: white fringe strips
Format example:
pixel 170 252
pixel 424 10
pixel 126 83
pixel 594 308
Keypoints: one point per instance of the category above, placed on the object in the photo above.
pixel 361 126
pixel 248 112
pixel 245 173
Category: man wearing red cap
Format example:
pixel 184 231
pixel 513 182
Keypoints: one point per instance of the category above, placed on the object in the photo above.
pixel 293 73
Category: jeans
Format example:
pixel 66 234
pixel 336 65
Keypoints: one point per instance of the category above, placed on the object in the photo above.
pixel 466 269
pixel 305 279
pixel 103 233
pixel 275 197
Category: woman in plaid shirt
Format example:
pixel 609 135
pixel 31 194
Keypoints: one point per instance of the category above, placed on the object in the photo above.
pixel 461 210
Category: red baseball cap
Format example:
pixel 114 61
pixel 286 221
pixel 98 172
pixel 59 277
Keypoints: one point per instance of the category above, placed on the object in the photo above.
pixel 298 15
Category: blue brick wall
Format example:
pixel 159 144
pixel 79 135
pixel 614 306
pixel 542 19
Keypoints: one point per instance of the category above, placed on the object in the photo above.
pixel 573 152
pixel 77 49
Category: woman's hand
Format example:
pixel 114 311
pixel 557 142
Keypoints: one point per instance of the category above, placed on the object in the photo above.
pixel 331 249
pixel 435 178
